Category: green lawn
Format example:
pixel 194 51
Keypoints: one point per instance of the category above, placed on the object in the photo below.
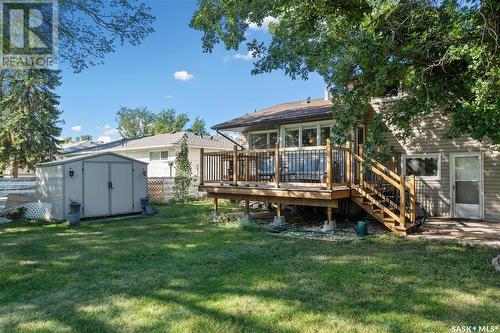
pixel 171 273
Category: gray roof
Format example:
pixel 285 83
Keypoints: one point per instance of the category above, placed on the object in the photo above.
pixel 316 109
pixel 74 146
pixel 162 140
pixel 84 157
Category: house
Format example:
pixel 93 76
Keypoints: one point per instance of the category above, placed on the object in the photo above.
pixel 159 151
pixel 289 161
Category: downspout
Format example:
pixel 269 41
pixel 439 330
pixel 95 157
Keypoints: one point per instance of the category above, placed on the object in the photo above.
pixel 227 137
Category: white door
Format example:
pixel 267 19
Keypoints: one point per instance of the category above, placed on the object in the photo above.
pixel 95 189
pixel 466 185
pixel 121 185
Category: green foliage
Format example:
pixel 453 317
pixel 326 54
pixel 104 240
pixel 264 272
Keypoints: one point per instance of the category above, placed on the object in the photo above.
pixel 198 127
pixel 135 123
pixel 29 119
pixel 84 138
pixel 169 122
pixel 443 56
pixel 91 29
pixel 182 180
pixel 67 139
pixel 139 122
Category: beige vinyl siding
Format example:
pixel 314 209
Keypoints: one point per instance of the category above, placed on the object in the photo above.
pixel 434 195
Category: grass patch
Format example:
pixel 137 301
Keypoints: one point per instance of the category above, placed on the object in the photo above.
pixel 171 272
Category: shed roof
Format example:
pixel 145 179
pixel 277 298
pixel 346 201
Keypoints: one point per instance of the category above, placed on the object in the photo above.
pixel 86 157
pixel 286 113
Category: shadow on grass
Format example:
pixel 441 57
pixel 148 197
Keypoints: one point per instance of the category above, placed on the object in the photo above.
pixel 168 272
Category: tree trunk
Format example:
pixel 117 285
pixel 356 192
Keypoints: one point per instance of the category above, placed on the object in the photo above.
pixel 15 171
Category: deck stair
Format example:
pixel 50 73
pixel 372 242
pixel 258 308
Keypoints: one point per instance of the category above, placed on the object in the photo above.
pixel 382 193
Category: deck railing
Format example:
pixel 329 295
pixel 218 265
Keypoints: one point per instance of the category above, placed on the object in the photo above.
pixel 319 166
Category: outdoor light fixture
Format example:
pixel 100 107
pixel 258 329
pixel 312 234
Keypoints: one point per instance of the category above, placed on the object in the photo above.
pixel 71 172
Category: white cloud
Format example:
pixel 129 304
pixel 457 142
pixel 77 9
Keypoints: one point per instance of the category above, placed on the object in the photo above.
pixel 243 56
pixel 265 24
pixel 183 76
pixel 104 139
pixel 169 96
pixel 76 128
pixel 108 134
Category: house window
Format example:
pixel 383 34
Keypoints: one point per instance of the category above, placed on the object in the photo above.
pixel 263 140
pixel 292 137
pixel 325 134
pixel 309 137
pixel 158 155
pixel 426 166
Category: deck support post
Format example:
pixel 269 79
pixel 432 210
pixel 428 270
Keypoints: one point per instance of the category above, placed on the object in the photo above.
pixel 329 173
pixel 215 212
pixel 202 166
pixel 279 219
pixel 235 165
pixel 329 224
pixel 277 165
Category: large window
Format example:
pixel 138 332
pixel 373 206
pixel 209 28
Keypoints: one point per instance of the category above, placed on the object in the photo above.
pixel 426 166
pixel 158 155
pixel 309 136
pixel 263 140
pixel 325 134
pixel 292 137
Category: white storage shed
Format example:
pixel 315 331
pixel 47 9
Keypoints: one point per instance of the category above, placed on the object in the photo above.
pixel 105 184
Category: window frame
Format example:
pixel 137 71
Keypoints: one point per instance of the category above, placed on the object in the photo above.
pixel 268 137
pixel 404 157
pixel 160 159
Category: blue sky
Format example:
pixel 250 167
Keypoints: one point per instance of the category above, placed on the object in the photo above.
pixel 218 86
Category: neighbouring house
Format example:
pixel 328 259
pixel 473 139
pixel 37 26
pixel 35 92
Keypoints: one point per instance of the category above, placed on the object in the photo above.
pixel 159 151
pixel 288 161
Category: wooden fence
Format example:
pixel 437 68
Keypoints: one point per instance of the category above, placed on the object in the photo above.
pixel 160 189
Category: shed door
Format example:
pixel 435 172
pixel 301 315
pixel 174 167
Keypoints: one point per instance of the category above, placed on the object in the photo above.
pixel 122 192
pixel 95 189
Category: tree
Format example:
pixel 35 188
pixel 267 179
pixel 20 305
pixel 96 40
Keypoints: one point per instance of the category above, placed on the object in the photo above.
pixel 168 122
pixel 441 56
pixel 84 138
pixel 182 180
pixel 91 29
pixel 135 123
pixel 67 139
pixel 29 120
pixel 198 127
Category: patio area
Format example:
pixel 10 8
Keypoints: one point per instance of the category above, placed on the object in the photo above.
pixel 468 231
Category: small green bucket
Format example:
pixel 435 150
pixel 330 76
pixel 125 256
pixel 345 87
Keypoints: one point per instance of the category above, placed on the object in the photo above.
pixel 361 228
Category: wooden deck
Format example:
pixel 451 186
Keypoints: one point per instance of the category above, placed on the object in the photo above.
pixel 293 195
pixel 310 176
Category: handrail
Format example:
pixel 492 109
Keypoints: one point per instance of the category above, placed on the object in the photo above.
pixel 378 172
pixel 406 204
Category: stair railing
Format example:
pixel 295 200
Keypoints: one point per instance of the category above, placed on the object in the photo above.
pixel 390 192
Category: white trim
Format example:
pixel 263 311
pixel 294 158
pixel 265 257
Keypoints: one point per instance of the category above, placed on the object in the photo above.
pixel 301 126
pixel 426 155
pixel 481 181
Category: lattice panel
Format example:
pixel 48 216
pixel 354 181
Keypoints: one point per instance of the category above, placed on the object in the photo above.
pixel 156 191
